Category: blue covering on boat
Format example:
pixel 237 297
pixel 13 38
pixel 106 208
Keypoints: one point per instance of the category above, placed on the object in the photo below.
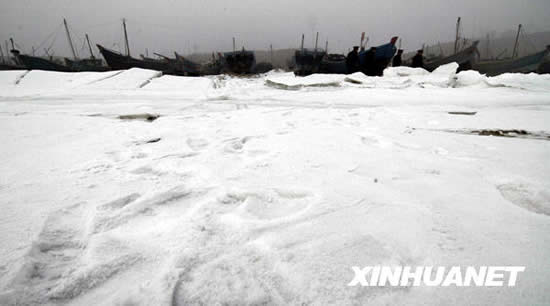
pixel 383 52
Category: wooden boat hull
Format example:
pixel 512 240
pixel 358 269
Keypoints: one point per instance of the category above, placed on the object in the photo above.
pixel 117 61
pixel 526 64
pixel 11 67
pixel 334 63
pixel 86 65
pixel 308 61
pixel 239 62
pixel 38 63
pixel 544 68
pixel 465 59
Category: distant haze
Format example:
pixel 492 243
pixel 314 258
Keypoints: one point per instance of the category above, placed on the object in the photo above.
pixel 208 25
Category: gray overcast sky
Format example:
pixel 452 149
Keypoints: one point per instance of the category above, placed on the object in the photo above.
pixel 208 25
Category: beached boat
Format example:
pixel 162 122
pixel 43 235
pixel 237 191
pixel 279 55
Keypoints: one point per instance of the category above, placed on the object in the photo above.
pixel 308 61
pixel 88 64
pixel 333 63
pixel 382 58
pixel 238 62
pixel 4 66
pixel 39 63
pixel 465 59
pixel 118 61
pixel 526 64
pixel 544 68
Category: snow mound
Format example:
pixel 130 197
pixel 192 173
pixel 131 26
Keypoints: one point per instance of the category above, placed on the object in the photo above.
pixel 531 81
pixel 404 72
pixel 291 82
pixel 134 78
pixel 404 77
pixel 470 78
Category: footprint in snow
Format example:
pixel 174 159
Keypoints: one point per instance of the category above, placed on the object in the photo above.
pixel 197 144
pixel 269 204
pixel 527 196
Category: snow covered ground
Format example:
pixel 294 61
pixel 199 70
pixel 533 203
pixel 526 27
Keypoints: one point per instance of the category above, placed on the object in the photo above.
pixel 267 190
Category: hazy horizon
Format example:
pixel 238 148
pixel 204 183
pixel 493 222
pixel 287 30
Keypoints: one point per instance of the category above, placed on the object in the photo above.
pixel 209 25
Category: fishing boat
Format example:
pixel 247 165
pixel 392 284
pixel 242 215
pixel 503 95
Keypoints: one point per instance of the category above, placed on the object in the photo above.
pixel 525 64
pixel 39 63
pixel 382 58
pixel 119 61
pixel 238 62
pixel 7 66
pixel 87 64
pixel 308 61
pixel 191 68
pixel 465 59
pixel 544 68
pixel 333 63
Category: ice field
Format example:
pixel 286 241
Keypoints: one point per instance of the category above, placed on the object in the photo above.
pixel 133 188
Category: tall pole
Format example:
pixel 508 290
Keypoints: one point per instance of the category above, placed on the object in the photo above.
pixel 457 36
pixel 302 45
pixel 90 47
pixel 7 50
pixel 271 53
pixel 488 42
pixel 126 37
pixel 234 47
pixel 316 41
pixel 12 44
pixel 2 54
pixel 516 45
pixel 69 38
pixel 326 47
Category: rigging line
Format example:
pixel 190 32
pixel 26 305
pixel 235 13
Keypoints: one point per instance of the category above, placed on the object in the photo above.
pixel 55 32
pixel 53 41
pixel 524 36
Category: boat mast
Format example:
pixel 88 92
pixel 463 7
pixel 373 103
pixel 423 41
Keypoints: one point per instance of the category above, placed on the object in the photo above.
pixel 234 47
pixel 302 46
pixel 516 45
pixel 69 38
pixel 326 47
pixel 271 53
pixel 316 41
pixel 126 37
pixel 488 45
pixel 457 36
pixel 90 47
pixel 2 54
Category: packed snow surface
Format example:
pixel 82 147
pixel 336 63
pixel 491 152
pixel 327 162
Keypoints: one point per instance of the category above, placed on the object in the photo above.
pixel 132 188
